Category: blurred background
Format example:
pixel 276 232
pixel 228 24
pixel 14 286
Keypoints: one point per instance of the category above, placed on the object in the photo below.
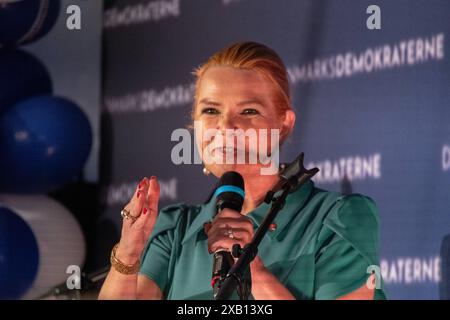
pixel 91 91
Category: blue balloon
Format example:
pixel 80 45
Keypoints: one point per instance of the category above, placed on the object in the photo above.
pixel 22 76
pixel 44 143
pixel 19 255
pixel 24 21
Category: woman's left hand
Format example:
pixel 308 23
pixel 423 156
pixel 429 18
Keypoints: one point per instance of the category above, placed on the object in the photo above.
pixel 264 284
pixel 228 228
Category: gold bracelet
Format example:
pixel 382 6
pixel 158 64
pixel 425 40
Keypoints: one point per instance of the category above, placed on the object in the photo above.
pixel 121 267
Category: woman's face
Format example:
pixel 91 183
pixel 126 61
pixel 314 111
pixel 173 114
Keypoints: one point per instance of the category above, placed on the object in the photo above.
pixel 232 108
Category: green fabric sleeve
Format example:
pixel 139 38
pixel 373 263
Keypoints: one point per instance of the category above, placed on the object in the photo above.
pixel 156 257
pixel 348 245
pixel 340 269
pixel 155 263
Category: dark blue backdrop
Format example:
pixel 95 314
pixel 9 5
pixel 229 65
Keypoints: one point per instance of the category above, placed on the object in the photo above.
pixel 373 107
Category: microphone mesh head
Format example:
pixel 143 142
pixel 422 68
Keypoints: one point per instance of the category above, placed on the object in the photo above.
pixel 232 178
pixel 230 191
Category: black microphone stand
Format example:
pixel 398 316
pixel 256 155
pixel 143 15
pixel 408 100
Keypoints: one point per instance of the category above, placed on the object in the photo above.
pixel 292 176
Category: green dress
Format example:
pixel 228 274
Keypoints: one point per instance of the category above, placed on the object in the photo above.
pixel 322 246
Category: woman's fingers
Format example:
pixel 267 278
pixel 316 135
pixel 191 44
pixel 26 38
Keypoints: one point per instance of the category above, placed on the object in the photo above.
pixel 234 223
pixel 153 195
pixel 142 210
pixel 225 222
pixel 217 241
pixel 139 198
pixel 150 208
pixel 238 234
pixel 225 236
pixel 228 213
pixel 136 203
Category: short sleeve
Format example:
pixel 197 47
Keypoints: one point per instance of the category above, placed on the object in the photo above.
pixel 348 245
pixel 155 263
pixel 157 255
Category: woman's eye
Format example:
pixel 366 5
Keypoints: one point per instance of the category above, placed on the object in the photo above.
pixel 210 111
pixel 250 111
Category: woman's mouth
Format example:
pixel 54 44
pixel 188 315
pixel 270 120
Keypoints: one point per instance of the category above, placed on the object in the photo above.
pixel 228 153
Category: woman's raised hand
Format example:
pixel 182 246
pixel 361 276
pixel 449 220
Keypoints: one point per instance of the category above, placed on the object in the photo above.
pixel 142 211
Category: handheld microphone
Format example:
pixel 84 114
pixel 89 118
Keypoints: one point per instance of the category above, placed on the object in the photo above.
pixel 229 194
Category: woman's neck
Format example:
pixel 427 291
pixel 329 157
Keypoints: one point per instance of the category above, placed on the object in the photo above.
pixel 256 187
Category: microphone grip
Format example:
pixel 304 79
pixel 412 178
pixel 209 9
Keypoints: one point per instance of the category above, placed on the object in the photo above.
pixel 223 261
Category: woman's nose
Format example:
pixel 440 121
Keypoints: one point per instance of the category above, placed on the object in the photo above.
pixel 227 122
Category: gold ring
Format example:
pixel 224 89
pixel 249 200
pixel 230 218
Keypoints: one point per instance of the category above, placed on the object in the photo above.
pixel 127 215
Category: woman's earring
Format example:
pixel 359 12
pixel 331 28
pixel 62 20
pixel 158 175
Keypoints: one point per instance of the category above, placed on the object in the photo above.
pixel 206 172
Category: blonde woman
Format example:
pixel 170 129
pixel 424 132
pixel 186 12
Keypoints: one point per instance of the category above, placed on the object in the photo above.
pixel 323 242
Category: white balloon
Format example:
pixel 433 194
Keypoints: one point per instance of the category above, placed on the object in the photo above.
pixel 59 237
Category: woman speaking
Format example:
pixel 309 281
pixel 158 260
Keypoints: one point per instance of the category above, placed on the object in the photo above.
pixel 322 245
